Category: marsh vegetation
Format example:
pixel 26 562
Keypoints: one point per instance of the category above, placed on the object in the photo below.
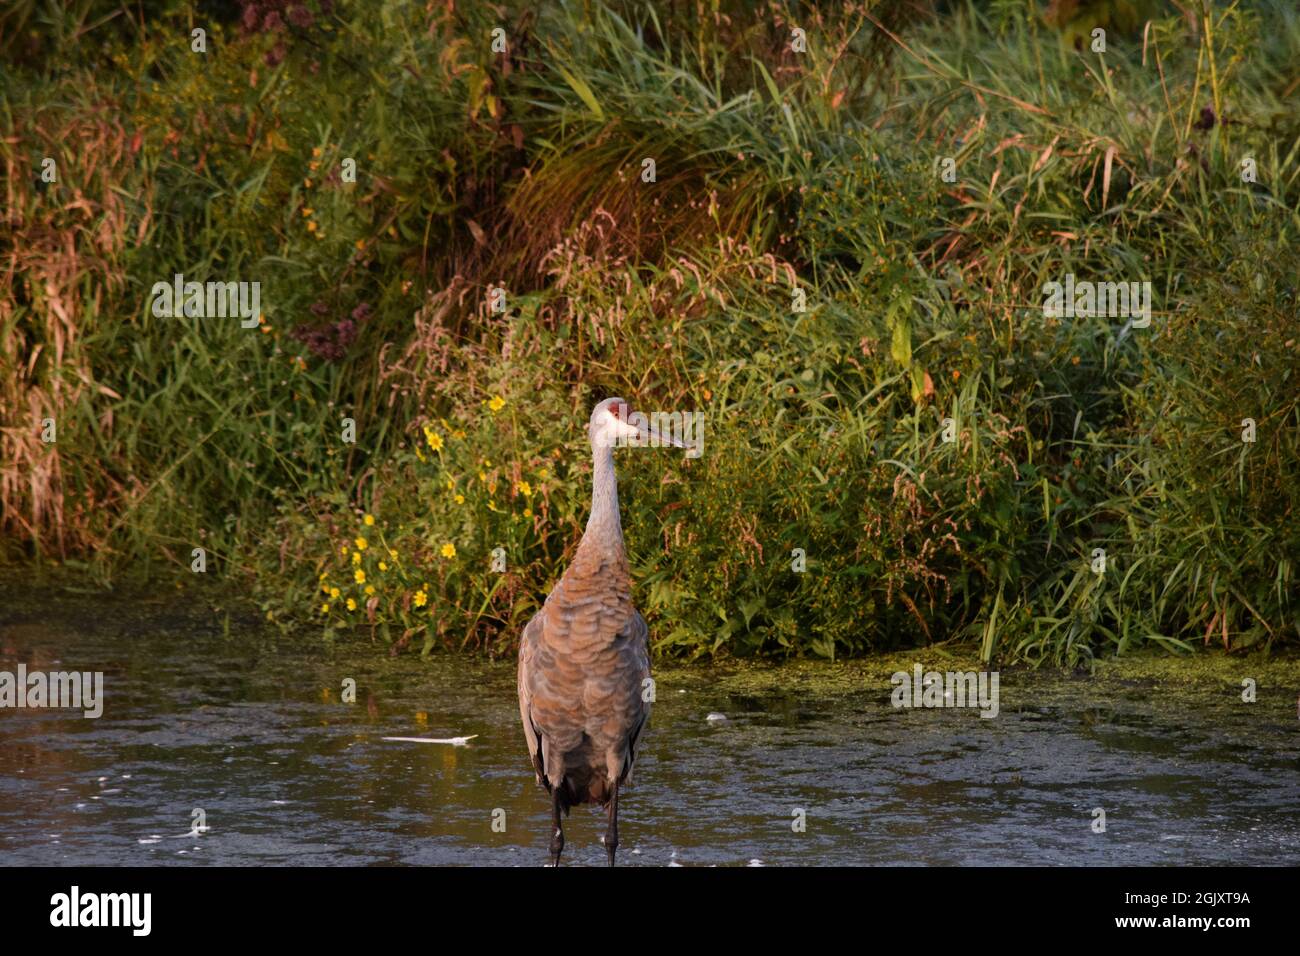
pixel 915 176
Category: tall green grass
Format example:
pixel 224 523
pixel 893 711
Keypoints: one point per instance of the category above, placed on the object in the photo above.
pixel 776 171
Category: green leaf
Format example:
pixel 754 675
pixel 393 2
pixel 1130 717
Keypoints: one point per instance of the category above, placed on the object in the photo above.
pixel 901 345
pixel 583 91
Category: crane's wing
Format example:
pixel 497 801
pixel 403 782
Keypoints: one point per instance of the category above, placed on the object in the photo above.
pixel 634 657
pixel 527 658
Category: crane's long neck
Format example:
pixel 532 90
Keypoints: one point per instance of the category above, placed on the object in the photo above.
pixel 604 527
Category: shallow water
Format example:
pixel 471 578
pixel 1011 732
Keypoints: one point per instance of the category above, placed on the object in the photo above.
pixel 249 727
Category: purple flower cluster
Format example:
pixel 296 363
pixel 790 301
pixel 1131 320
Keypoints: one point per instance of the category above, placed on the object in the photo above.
pixel 269 16
pixel 274 17
pixel 332 340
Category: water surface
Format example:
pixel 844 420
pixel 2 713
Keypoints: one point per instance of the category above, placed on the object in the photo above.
pixel 249 727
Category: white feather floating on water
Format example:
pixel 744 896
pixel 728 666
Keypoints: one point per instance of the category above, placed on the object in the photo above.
pixel 454 741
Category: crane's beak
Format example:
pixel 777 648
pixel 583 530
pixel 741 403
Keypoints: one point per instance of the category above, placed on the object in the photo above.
pixel 654 437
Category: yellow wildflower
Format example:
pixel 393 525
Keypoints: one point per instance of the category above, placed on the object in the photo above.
pixel 421 598
pixel 352 605
pixel 356 557
pixel 497 404
pixel 383 566
pixel 449 550
pixel 369 520
pixel 460 499
pixel 324 608
pixel 370 589
pixel 361 544
pixel 525 488
pixel 360 576
pixel 334 592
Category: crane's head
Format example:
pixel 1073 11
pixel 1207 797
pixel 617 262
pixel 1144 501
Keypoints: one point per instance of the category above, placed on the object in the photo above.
pixel 614 423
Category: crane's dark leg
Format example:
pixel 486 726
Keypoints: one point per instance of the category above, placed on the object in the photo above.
pixel 611 832
pixel 557 837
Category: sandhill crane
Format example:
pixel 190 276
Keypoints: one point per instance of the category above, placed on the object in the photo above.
pixel 584 659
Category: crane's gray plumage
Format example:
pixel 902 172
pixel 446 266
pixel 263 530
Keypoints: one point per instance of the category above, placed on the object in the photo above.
pixel 584 658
